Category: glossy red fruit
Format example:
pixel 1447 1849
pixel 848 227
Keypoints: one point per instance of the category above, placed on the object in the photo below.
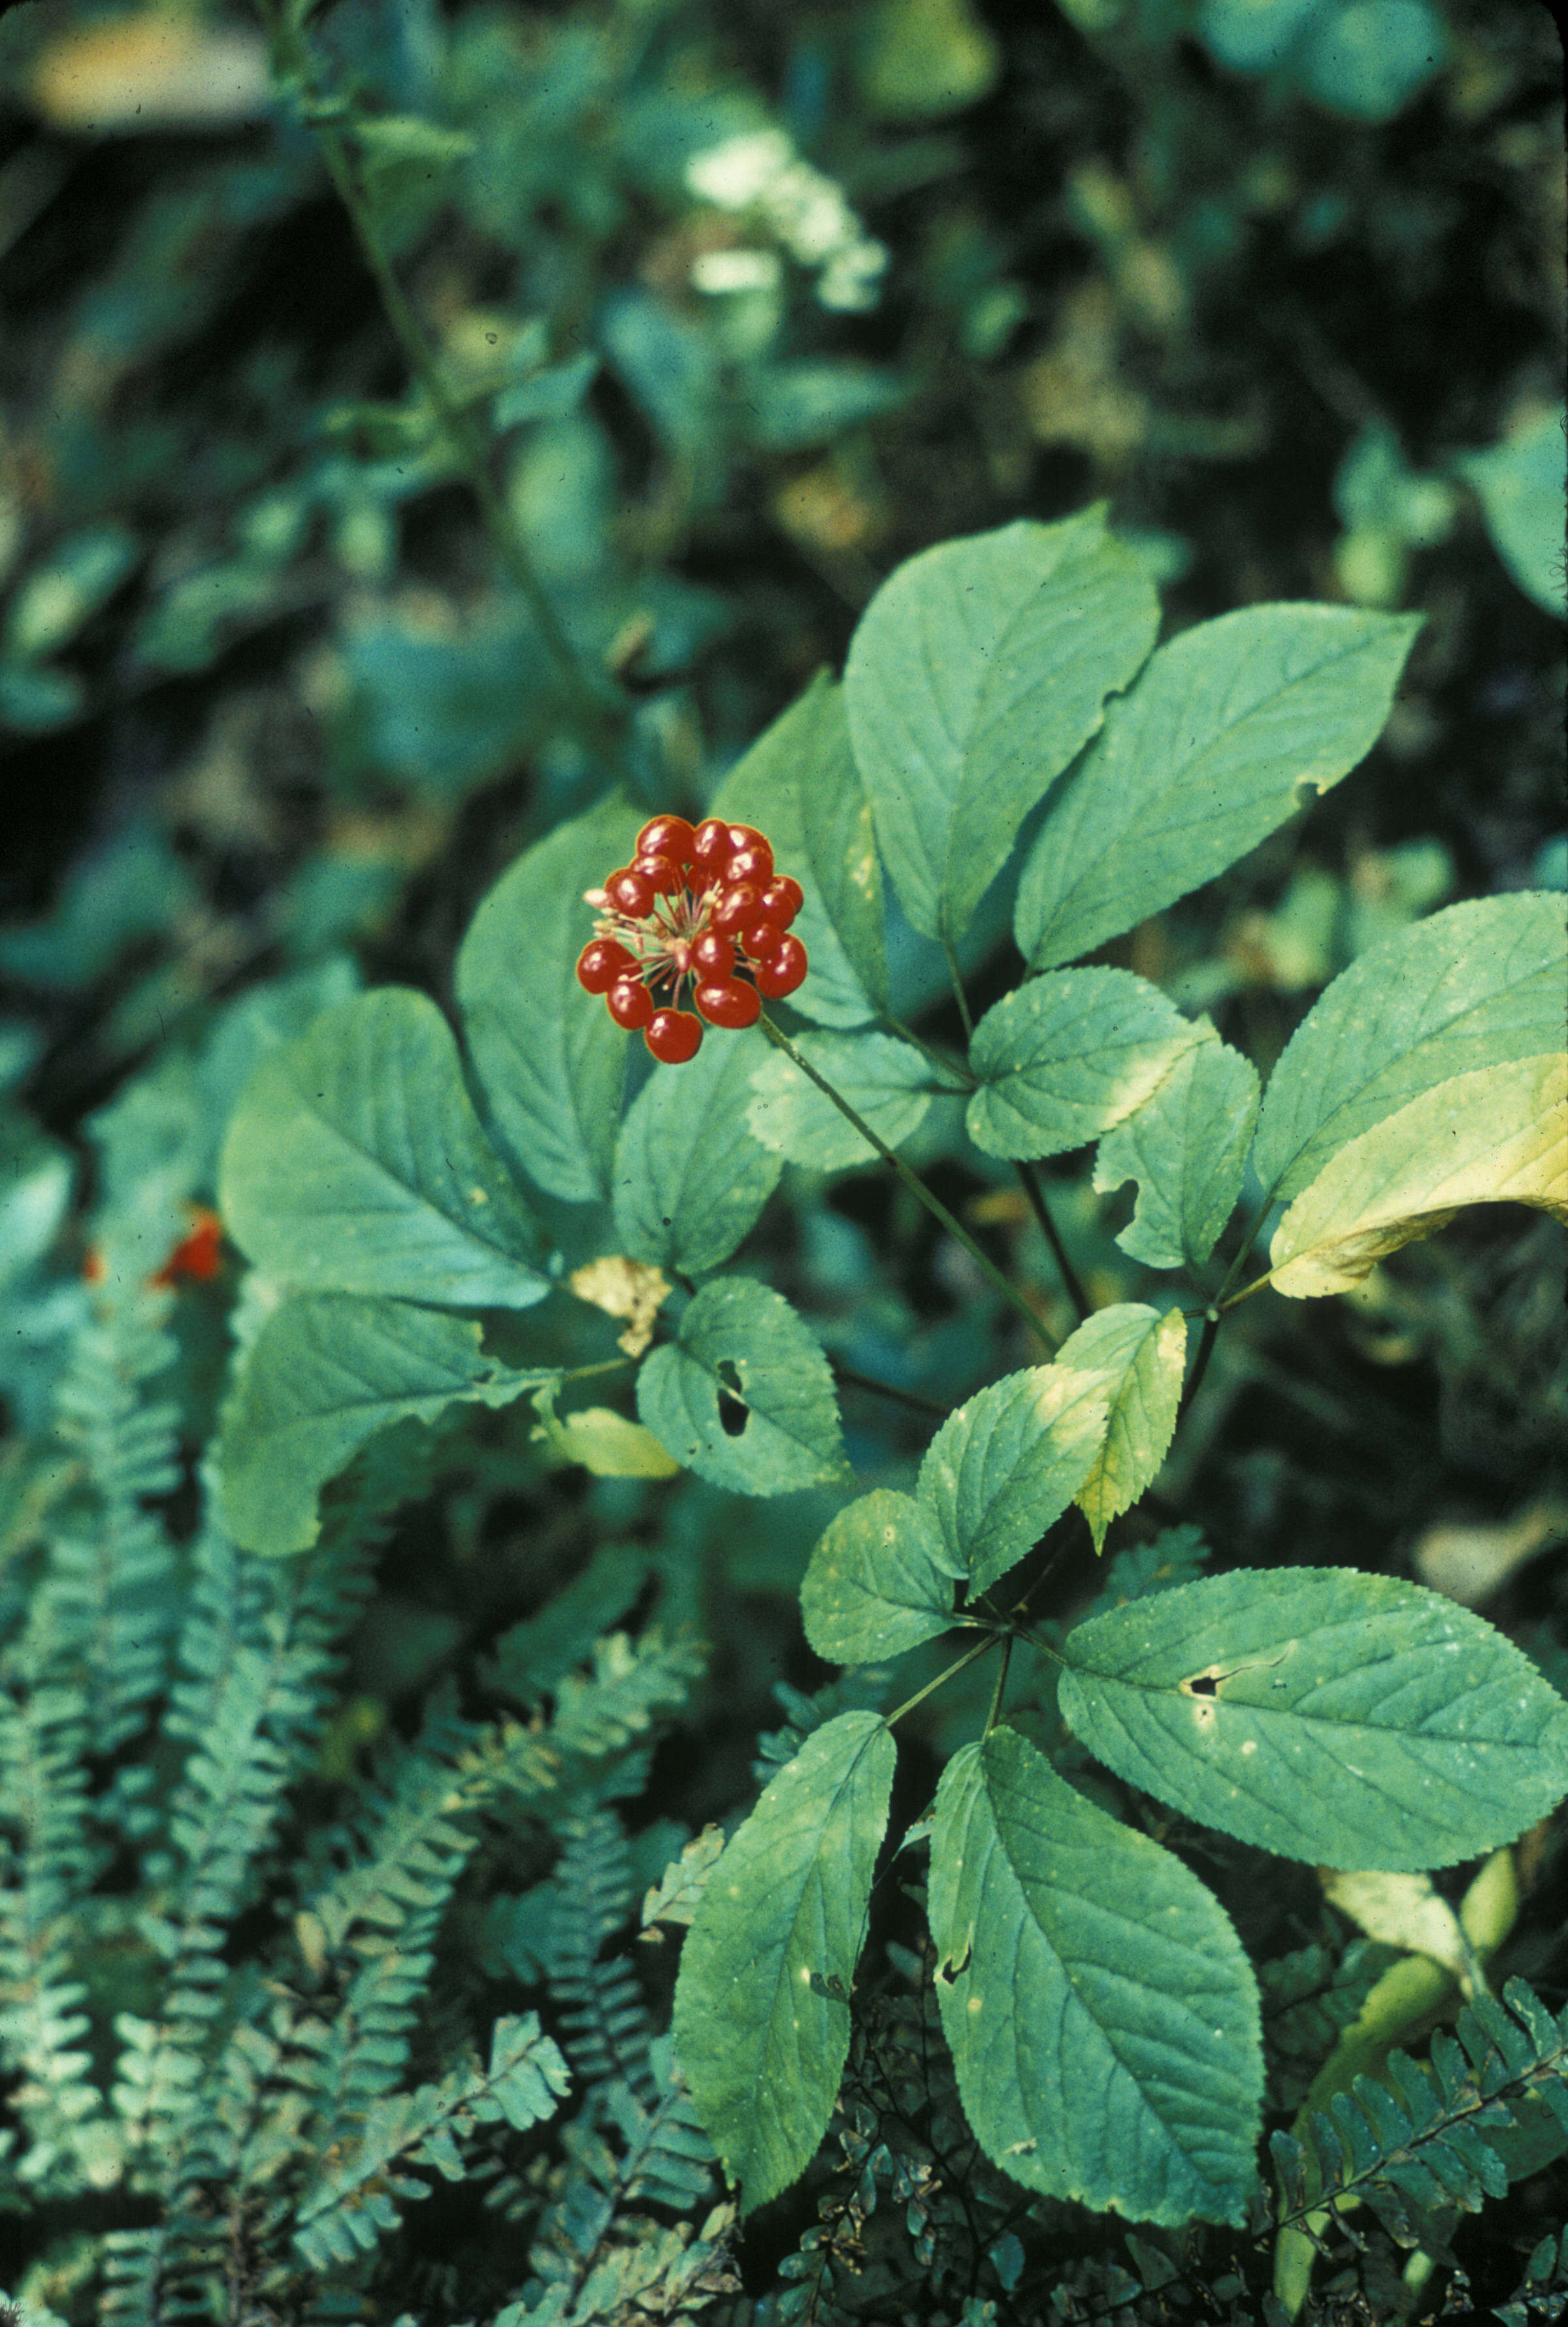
pixel 710 849
pixel 762 942
pixel 746 836
pixel 601 962
pixel 666 836
pixel 629 1003
pixel 736 908
pixel 784 972
pixel 754 866
pixel 663 872
pixel 713 955
pixel 725 1002
pixel 782 899
pixel 672 1036
pixel 630 891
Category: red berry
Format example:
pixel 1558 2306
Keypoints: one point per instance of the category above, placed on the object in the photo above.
pixel 746 836
pixel 782 899
pixel 672 1036
pixel 727 1003
pixel 601 963
pixel 763 941
pixel 662 873
pixel 666 836
pixel 752 864
pixel 736 907
pixel 199 1254
pixel 713 955
pixel 711 846
pixel 784 972
pixel 630 892
pixel 629 1003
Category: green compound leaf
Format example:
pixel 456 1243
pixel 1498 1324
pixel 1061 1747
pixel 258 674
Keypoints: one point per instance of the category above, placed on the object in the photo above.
pixel 976 672
pixel 1103 2018
pixel 1186 1148
pixel 690 1179
pixel 886 1081
pixel 879 1581
pixel 1352 1720
pixel 354 1163
pixel 1228 731
pixel 550 1057
pixel 326 1371
pixel 761 2007
pixel 743 1341
pixel 1140 1355
pixel 799 784
pixel 1522 482
pixel 1476 986
pixel 1066 1057
pixel 1009 1461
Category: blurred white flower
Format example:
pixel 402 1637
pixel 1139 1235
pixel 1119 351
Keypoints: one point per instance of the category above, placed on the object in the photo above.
pixel 736 270
pixel 805 210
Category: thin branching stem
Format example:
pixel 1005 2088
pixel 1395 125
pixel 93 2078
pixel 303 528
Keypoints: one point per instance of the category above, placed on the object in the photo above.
pixel 1070 1278
pixel 959 994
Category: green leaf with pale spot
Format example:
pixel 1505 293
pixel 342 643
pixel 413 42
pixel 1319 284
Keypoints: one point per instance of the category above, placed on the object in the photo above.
pixel 1139 1354
pixel 879 1581
pixel 1186 1147
pixel 886 1081
pixel 1008 1462
pixel 1475 985
pixel 1352 1720
pixel 742 1339
pixel 1066 1057
pixel 551 1058
pixel 1103 2019
pixel 690 1179
pixel 354 1163
pixel 976 672
pixel 324 1374
pixel 1229 730
pixel 760 2034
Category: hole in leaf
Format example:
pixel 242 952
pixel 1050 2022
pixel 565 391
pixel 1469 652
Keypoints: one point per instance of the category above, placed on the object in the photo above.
pixel 1202 1685
pixel 734 1413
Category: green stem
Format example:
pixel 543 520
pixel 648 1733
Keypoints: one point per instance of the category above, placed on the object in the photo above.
pixel 971 1656
pixel 1070 1276
pixel 886 1389
pixel 959 996
pixel 941 1059
pixel 1200 1363
pixel 911 1179
pixel 996 1694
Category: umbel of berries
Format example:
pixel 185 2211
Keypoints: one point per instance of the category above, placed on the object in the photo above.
pixel 702 905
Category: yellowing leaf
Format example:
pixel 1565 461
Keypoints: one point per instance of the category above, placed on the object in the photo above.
pixel 1402 1910
pixel 1498 1134
pixel 626 1288
pixel 606 1444
pixel 1142 1355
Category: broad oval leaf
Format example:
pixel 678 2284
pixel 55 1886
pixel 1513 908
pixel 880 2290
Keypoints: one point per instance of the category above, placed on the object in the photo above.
pixel 1475 985
pixel 760 2036
pixel 1186 1147
pixel 976 672
pixel 879 1582
pixel 550 1057
pixel 1066 1057
pixel 1008 1462
pixel 1497 1135
pixel 1103 2019
pixel 886 1081
pixel 690 1179
pixel 1140 1354
pixel 1521 481
pixel 324 1374
pixel 1352 1720
pixel 354 1163
pixel 741 1341
pixel 1225 734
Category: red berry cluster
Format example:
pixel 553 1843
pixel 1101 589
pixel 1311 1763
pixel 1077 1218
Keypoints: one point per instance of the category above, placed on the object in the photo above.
pixel 703 903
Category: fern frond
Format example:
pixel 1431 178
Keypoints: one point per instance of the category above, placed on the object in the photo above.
pixel 603 2018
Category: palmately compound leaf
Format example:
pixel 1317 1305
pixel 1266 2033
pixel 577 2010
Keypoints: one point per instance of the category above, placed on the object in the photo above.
pixel 1476 985
pixel 886 1081
pixel 550 1057
pixel 976 672
pixel 1352 1720
pixel 1186 1147
pixel 690 1179
pixel 354 1163
pixel 1140 1354
pixel 799 784
pixel 1497 1135
pixel 761 2007
pixel 879 1581
pixel 1232 726
pixel 325 1373
pixel 1103 2018
pixel 1066 1057
pixel 1007 1463
pixel 742 1342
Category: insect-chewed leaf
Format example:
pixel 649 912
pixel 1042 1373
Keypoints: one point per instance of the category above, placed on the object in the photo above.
pixel 1139 1353
pixel 1352 1720
pixel 760 2035
pixel 1009 1461
pixel 879 1581
pixel 742 1342
pixel 1497 1135
pixel 1102 2015
pixel 690 1179
pixel 1066 1057
pixel 1478 984
pixel 354 1163
pixel 1186 1147
pixel 1220 740
pixel 886 1081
